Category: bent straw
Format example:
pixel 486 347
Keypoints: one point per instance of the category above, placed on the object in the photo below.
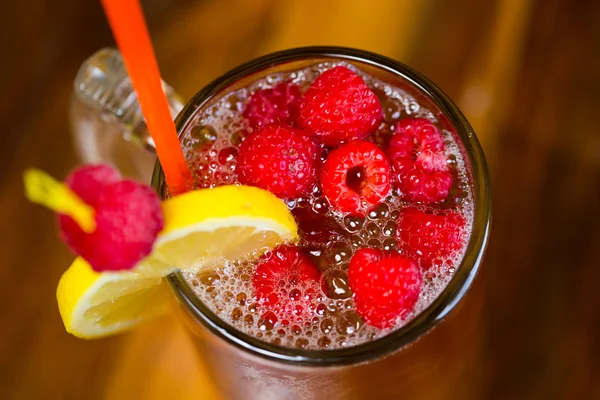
pixel 131 34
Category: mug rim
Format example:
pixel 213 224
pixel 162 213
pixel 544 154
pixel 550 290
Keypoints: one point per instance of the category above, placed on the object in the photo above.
pixel 446 301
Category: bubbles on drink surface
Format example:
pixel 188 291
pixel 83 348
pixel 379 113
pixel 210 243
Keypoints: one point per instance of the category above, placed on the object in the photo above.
pixel 321 315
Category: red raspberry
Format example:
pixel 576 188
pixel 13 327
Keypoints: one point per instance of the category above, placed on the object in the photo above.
pixel 367 256
pixel 338 106
pixel 128 219
pixel 385 286
pixel 430 238
pixel 286 265
pixel 356 177
pixel 280 159
pixel 276 105
pixel 86 181
pixel 419 162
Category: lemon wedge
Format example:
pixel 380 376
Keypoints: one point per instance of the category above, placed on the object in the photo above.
pixel 201 227
pixel 94 304
pixel 227 222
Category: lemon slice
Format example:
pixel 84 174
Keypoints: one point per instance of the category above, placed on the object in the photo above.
pixel 94 304
pixel 202 226
pixel 227 222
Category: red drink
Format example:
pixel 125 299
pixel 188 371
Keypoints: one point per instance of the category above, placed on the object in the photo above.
pixel 291 342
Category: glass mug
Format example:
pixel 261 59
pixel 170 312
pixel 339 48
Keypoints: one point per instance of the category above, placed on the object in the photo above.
pixel 434 356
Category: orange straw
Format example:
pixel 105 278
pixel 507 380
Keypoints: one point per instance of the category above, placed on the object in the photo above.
pixel 129 29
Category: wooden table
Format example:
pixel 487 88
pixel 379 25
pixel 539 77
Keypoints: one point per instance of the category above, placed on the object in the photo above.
pixel 525 72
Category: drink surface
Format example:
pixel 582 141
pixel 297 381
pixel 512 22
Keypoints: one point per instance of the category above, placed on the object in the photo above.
pixel 320 313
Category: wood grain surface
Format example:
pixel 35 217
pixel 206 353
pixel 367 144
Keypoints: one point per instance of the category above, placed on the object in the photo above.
pixel 525 72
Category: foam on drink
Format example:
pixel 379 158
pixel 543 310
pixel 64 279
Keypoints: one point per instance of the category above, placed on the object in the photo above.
pixel 329 320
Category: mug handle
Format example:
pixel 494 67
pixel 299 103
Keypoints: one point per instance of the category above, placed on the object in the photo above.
pixel 106 119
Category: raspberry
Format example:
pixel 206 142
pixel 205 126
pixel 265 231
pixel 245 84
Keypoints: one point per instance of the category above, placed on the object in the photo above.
pixel 419 162
pixel 283 280
pixel 276 105
pixel 338 106
pixel 366 256
pixel 430 238
pixel 128 219
pixel 280 159
pixel 87 180
pixel 356 177
pixel 385 286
